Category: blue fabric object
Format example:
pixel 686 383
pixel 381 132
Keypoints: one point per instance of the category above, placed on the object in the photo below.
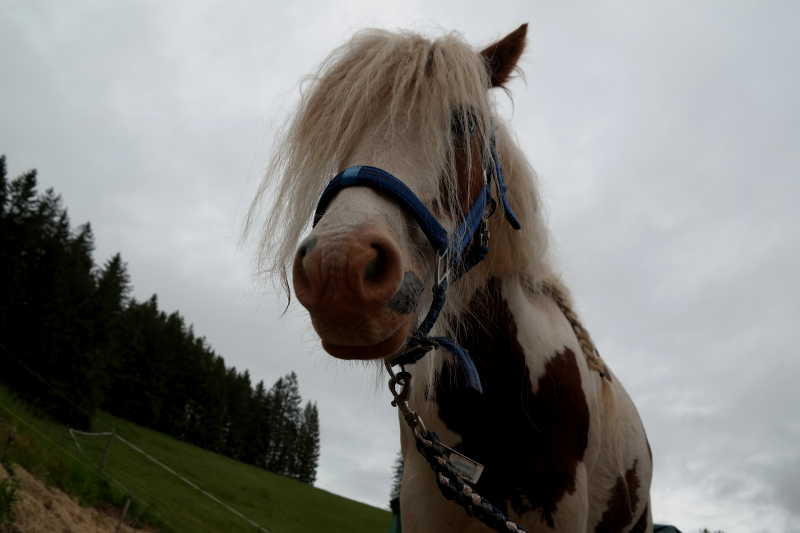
pixel 349 175
pixel 501 185
pixel 384 183
pixel 439 297
pixel 468 370
pixel 462 254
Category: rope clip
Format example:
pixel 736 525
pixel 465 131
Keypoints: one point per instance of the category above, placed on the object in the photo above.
pixel 403 379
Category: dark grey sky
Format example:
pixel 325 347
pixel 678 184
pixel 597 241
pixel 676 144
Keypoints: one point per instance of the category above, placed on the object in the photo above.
pixel 668 140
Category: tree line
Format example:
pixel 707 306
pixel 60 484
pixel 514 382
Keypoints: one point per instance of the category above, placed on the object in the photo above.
pixel 73 340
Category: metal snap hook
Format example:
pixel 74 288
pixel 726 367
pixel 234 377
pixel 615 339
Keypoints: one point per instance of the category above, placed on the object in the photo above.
pixel 403 379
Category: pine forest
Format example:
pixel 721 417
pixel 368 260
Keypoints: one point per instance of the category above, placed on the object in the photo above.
pixel 73 341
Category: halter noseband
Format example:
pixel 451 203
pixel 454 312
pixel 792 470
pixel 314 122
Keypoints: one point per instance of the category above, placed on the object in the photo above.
pixel 454 255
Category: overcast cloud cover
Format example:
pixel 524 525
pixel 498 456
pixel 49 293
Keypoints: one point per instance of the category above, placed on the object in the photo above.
pixel 668 140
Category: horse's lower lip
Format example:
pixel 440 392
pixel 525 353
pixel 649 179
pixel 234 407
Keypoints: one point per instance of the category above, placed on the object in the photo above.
pixel 384 348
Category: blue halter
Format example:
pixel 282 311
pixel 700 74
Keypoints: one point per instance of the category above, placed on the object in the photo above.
pixel 455 256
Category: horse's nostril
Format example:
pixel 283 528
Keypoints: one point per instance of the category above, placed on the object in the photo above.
pixel 377 266
pixel 307 246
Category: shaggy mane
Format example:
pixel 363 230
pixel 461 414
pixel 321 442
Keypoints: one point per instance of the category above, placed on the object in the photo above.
pixel 383 82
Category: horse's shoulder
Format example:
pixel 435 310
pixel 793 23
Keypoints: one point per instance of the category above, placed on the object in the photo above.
pixel 529 428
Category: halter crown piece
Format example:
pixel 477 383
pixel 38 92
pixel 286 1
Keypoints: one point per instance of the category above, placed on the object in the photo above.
pixel 456 253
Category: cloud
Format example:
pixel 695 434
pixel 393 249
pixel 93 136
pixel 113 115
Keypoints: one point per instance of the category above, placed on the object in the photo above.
pixel 666 137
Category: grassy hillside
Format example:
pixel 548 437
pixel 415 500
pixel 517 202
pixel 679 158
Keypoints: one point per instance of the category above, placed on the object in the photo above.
pixel 45 450
pixel 278 504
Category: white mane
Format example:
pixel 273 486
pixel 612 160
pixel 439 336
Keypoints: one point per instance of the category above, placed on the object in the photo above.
pixel 391 80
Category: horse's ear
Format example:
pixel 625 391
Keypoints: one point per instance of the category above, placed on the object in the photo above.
pixel 501 57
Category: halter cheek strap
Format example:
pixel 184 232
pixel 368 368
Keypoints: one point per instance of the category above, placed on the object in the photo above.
pixel 454 255
pixel 503 191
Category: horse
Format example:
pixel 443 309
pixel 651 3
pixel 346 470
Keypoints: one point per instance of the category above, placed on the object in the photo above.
pixel 433 222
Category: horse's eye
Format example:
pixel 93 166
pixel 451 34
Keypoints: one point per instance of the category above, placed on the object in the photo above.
pixel 463 122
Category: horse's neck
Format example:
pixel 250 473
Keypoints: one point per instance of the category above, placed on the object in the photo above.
pixel 512 332
pixel 533 375
pixel 511 327
pixel 509 317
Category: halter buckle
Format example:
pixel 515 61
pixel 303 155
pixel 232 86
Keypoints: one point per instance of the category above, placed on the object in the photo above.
pixel 485 233
pixel 443 268
pixel 490 209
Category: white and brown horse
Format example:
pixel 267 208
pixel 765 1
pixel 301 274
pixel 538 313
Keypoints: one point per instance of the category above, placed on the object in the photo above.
pixel 562 444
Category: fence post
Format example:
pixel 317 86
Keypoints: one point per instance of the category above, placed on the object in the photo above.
pixel 122 518
pixel 108 448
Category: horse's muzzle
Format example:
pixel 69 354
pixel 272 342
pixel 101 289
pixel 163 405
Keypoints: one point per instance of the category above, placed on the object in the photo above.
pixel 348 283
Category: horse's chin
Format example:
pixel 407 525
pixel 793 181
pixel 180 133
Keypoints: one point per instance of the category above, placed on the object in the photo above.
pixel 376 351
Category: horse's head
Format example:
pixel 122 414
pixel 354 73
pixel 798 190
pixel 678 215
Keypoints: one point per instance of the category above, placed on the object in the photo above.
pixel 421 112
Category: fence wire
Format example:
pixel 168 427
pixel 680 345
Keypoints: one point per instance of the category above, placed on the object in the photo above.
pixel 168 469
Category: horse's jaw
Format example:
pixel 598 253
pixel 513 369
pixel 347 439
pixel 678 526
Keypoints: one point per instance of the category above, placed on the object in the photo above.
pixel 380 350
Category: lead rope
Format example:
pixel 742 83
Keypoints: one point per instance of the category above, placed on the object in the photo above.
pixel 448 480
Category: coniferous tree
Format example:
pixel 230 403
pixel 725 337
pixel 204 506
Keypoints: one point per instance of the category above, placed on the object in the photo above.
pixel 237 415
pixel 135 389
pixel 397 478
pixel 49 304
pixel 206 397
pixel 307 446
pixel 258 433
pixel 112 296
pixel 285 413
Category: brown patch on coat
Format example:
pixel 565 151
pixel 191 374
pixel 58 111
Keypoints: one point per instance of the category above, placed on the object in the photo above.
pixel 502 56
pixel 529 443
pixel 621 504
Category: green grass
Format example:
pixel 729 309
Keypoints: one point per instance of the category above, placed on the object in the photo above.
pixel 279 504
pixel 45 449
